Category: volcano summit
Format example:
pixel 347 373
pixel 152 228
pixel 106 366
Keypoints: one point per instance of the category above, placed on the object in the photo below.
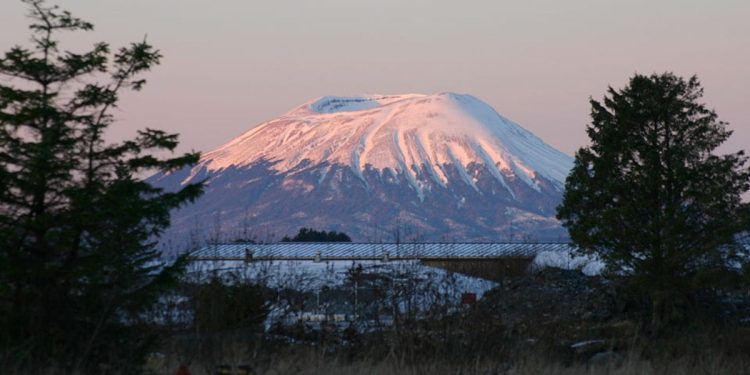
pixel 443 167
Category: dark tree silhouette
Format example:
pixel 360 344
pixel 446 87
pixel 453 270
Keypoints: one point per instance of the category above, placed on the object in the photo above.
pixel 312 235
pixel 651 199
pixel 78 263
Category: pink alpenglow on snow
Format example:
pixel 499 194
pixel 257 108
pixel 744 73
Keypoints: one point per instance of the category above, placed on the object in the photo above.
pixel 447 166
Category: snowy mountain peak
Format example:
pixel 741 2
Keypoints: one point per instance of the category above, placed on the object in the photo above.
pixel 402 133
pixel 443 167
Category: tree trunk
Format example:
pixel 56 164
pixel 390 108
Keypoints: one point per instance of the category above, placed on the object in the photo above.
pixel 662 308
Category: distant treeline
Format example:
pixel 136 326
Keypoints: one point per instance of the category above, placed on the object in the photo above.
pixel 312 235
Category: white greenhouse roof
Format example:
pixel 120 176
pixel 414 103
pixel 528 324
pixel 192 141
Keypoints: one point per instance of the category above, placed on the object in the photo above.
pixel 322 251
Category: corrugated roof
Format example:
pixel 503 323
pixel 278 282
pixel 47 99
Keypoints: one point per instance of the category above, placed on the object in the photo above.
pixel 355 251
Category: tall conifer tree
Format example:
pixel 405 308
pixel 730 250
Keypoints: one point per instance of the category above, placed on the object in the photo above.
pixel 78 264
pixel 651 198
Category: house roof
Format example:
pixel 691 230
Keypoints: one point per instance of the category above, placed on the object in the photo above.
pixel 322 251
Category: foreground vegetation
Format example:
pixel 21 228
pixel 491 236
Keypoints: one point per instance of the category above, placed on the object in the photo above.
pixel 313 363
pixel 83 288
pixel 548 321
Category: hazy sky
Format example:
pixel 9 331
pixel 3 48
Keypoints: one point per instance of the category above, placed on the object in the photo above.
pixel 231 64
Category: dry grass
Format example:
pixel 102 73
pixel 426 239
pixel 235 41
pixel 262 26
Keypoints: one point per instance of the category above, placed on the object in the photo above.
pixel 314 366
pixel 310 362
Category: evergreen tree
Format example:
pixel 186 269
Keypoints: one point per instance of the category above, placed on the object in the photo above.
pixel 312 235
pixel 651 199
pixel 78 263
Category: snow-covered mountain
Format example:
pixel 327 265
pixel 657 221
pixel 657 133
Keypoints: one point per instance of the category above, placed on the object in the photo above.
pixel 380 167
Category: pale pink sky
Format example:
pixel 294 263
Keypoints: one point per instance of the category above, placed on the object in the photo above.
pixel 231 64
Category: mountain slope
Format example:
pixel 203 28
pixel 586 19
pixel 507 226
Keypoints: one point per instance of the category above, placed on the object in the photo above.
pixel 429 167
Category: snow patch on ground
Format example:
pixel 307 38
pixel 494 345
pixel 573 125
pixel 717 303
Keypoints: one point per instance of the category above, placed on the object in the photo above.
pixel 312 276
pixel 566 260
